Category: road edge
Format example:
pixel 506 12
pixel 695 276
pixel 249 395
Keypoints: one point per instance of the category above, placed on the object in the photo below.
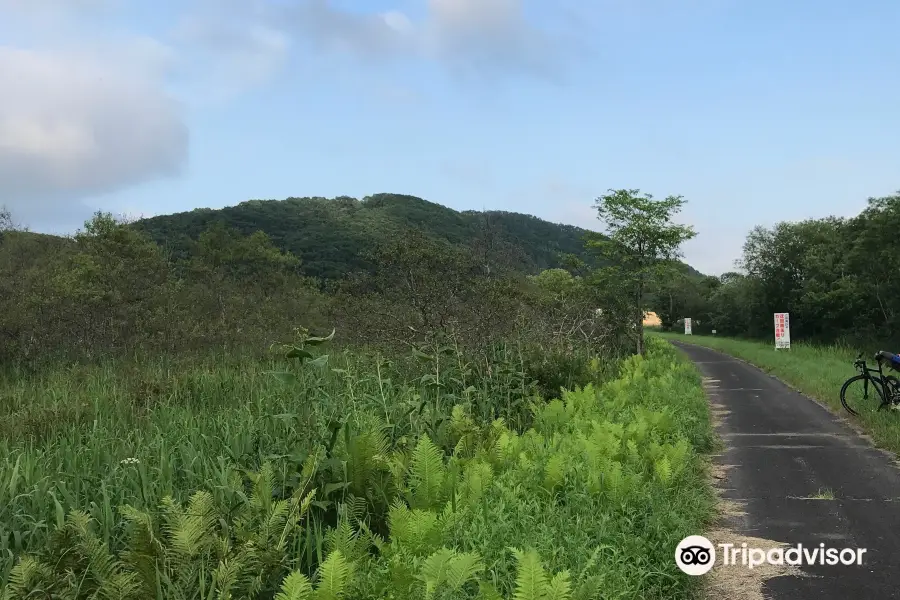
pixel 859 430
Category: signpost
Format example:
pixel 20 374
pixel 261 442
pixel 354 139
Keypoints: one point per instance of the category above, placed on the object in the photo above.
pixel 687 327
pixel 782 331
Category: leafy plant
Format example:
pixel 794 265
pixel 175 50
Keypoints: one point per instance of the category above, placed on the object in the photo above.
pixel 298 350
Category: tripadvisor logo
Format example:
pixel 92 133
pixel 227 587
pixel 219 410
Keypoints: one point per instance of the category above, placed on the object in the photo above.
pixel 696 555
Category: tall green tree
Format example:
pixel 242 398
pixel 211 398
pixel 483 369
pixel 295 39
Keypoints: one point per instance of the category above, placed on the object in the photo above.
pixel 420 288
pixel 678 293
pixel 566 309
pixel 6 222
pixel 641 240
pixel 113 285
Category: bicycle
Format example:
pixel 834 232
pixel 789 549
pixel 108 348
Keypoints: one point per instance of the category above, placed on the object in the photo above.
pixel 887 387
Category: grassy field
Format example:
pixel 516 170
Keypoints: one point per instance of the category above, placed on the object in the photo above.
pixel 437 476
pixel 817 371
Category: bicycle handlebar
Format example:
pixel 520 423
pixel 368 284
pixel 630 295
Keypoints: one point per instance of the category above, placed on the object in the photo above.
pixel 879 356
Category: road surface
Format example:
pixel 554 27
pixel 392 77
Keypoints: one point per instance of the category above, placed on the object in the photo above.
pixel 786 449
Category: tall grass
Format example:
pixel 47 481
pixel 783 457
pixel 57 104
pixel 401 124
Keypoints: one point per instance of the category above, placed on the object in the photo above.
pixel 817 371
pixel 97 439
pixel 65 434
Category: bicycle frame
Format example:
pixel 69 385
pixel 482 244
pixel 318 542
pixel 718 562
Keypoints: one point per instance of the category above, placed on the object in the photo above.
pixel 887 396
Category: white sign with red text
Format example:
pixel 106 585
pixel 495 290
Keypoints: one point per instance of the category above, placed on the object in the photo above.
pixel 782 330
pixel 687 327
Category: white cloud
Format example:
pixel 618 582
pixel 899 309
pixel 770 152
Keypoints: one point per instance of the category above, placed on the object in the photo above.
pixel 482 35
pixel 468 36
pixel 225 53
pixel 94 107
pixel 90 107
pixel 368 36
pixel 74 125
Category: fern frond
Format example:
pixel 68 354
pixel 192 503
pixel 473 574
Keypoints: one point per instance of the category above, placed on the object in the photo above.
pixel 464 567
pixel 295 586
pixel 263 484
pixel 120 586
pixel 531 579
pixel 663 470
pixel 142 536
pixel 451 568
pixel 427 474
pixel 354 509
pixel 477 478
pixel 28 575
pixel 416 530
pixel 434 570
pixel 102 565
pixel 334 577
pixel 344 539
pixel 277 519
pixel 487 591
pixel 226 577
pixel 310 468
pixel 190 529
pixel 560 587
pixel 555 470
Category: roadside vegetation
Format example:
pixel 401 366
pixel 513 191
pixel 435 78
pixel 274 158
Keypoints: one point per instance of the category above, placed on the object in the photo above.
pixel 816 370
pixel 213 423
pixel 839 278
pixel 238 484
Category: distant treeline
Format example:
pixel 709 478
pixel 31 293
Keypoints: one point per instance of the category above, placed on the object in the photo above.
pixel 334 236
pixel 111 290
pixel 839 278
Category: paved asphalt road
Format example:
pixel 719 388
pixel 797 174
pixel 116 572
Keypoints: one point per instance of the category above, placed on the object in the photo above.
pixel 786 448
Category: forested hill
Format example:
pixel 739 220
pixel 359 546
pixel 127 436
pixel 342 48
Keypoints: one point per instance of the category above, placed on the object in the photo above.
pixel 332 236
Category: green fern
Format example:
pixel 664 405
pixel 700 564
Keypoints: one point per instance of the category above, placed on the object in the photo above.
pixel 27 579
pixel 295 586
pixel 190 529
pixel 417 531
pixel 366 452
pixel 487 591
pixel 349 542
pixel 334 577
pixel 663 470
pixel 560 587
pixel 477 478
pixel 427 475
pixel 555 470
pixel 228 577
pixel 450 569
pixel 531 579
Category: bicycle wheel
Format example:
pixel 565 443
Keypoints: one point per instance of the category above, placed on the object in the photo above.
pixel 861 392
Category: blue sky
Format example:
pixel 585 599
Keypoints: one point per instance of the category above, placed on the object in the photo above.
pixel 755 112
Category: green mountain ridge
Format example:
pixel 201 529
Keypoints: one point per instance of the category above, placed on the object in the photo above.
pixel 332 236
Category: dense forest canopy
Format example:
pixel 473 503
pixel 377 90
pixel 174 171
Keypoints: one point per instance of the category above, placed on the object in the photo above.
pixel 333 236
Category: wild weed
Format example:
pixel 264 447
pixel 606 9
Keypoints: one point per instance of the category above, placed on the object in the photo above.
pixel 440 475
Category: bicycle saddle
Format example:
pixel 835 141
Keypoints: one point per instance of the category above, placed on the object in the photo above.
pixel 888 356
